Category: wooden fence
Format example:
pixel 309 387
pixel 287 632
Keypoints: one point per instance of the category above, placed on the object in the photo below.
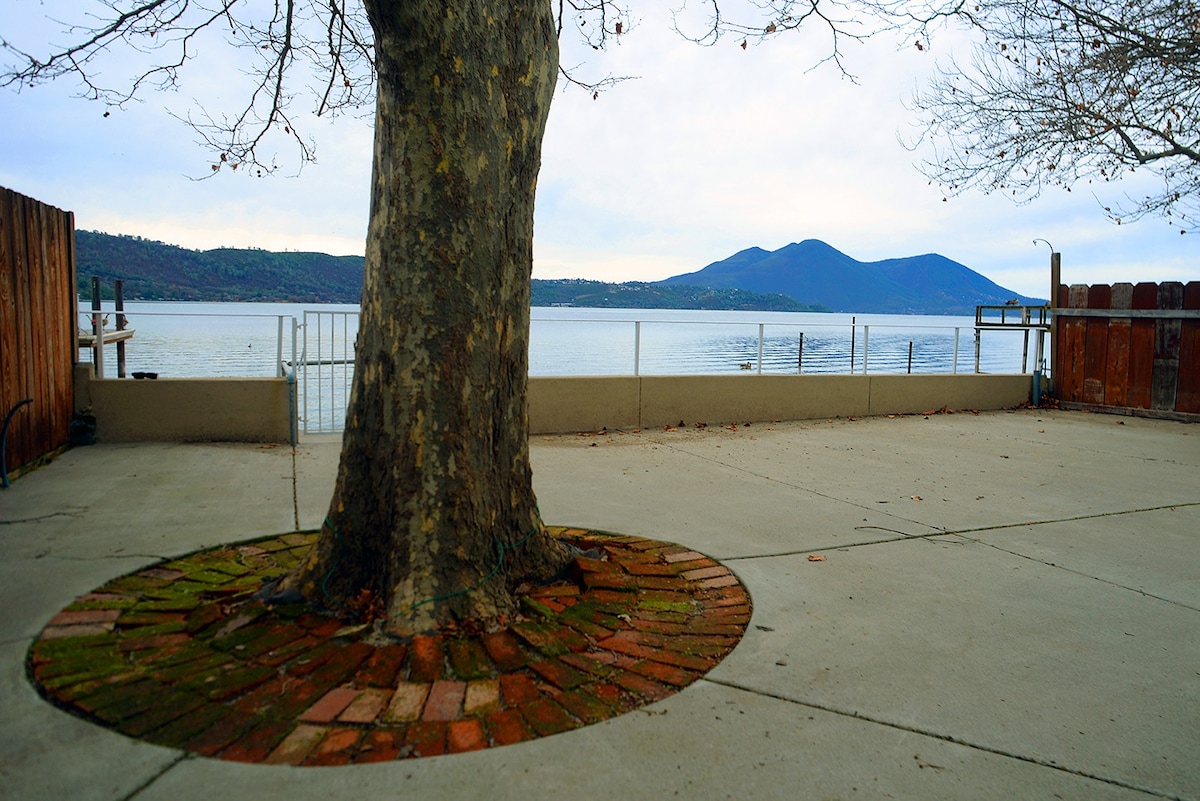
pixel 37 326
pixel 1129 347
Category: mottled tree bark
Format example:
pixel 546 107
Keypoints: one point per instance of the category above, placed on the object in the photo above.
pixel 434 511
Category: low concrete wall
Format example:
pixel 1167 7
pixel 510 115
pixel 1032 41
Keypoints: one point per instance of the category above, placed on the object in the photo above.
pixel 257 409
pixel 185 409
pixel 560 405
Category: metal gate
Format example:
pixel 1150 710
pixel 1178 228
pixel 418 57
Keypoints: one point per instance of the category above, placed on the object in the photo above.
pixel 325 369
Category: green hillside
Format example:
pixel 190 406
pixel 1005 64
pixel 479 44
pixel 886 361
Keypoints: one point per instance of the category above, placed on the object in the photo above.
pixel 156 271
pixel 638 295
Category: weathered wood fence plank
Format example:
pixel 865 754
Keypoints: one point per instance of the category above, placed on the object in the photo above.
pixel 1187 395
pixel 1129 347
pixel 37 325
pixel 1141 350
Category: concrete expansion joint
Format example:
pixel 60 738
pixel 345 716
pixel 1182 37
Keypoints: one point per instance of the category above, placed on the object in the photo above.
pixel 156 557
pixel 948 738
pixel 37 519
pixel 295 493
pixel 847 546
pixel 182 756
pixel 1109 582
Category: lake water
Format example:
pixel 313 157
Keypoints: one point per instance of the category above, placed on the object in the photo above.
pixel 175 339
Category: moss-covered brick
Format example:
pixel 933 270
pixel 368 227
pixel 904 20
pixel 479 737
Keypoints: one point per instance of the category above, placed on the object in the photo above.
pixel 341 665
pixel 119 703
pixel 103 601
pixel 259 638
pixel 586 619
pixel 508 727
pixel 296 649
pixel 619 582
pixel 426 659
pixel 191 662
pixel 337 747
pixel 214 739
pixel 208 663
pixel 167 626
pixel 505 650
pixel 586 706
pixel 560 674
pixel 550 639
pixel 426 738
pixel 246 615
pixel 652 605
pixel 167 708
pixel 469 660
pixel 312 660
pixel 589 663
pixel 229 567
pixel 518 688
pixel 202 617
pixel 96 661
pixel 184 728
pixel 183 602
pixel 546 716
pixel 85 676
pixel 151 641
pixel 382 667
pixel 71 647
pixel 538 608
pixel 236 682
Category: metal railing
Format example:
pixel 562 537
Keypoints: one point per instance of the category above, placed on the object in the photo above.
pixel 315 350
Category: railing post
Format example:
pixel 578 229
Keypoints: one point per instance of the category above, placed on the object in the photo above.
pixel 119 305
pixel 760 347
pixel 637 347
pixel 954 366
pixel 800 356
pixel 279 371
pixel 866 346
pixel 304 359
pixel 910 357
pixel 978 333
pixel 294 386
pixel 1025 353
pixel 97 329
pixel 853 329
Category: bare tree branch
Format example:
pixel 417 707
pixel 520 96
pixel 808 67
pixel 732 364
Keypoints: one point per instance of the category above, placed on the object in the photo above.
pixel 1073 92
pixel 293 47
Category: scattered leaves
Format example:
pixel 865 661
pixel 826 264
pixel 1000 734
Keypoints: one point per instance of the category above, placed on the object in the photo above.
pixel 816 557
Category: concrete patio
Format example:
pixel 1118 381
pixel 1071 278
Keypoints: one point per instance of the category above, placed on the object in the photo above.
pixel 1008 606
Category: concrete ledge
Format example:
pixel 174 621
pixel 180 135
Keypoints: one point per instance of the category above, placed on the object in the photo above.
pixel 185 409
pixel 910 394
pixel 562 405
pixel 666 400
pixel 257 409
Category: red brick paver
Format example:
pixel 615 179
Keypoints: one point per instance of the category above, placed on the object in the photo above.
pixel 181 655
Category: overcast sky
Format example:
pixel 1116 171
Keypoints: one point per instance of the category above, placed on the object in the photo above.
pixel 710 151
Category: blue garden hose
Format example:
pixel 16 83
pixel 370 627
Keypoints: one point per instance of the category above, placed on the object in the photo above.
pixel 4 442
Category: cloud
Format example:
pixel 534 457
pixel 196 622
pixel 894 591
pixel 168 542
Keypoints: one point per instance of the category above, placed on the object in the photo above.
pixel 709 151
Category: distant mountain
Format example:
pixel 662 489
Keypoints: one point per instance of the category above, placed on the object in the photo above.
pixel 808 276
pixel 813 272
pixel 156 271
pixel 152 270
pixel 638 295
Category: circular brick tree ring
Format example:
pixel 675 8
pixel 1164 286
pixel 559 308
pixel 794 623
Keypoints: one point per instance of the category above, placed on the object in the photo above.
pixel 179 654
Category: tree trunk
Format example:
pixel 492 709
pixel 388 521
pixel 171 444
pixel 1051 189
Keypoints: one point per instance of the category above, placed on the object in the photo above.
pixel 433 516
